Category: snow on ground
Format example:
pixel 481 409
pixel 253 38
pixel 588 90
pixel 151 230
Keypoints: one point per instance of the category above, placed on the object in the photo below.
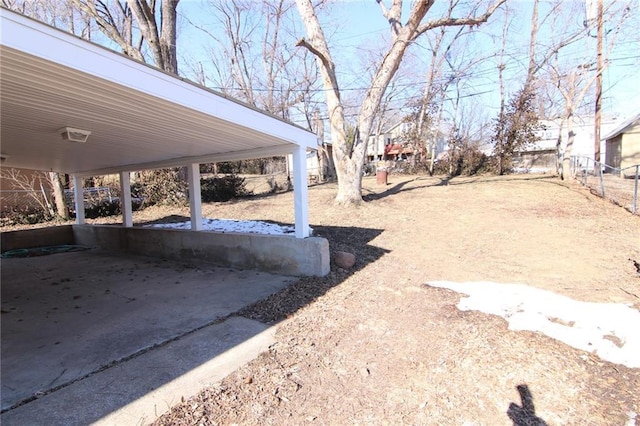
pixel 230 225
pixel 610 330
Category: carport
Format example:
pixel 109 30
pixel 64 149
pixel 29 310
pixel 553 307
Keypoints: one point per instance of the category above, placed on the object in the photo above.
pixel 74 107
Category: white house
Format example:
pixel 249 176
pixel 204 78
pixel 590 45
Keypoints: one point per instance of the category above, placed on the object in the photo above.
pixel 391 144
pixel 542 156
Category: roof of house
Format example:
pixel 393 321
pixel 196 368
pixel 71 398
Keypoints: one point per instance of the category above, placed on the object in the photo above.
pixel 139 116
pixel 623 127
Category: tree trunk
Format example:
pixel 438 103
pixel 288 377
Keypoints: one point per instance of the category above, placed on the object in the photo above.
pixel 169 35
pixel 434 142
pixel 341 151
pixel 500 142
pixel 559 149
pixel 566 160
pixel 349 182
pixel 58 195
pixel 163 42
pixel 349 159
pixel 531 70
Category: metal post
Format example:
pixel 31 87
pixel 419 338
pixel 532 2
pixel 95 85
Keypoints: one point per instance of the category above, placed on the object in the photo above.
pixel 601 178
pixel 635 191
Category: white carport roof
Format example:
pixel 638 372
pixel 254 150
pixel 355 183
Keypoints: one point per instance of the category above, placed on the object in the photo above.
pixel 139 117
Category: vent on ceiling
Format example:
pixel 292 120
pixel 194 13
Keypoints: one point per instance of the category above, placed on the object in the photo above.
pixel 74 135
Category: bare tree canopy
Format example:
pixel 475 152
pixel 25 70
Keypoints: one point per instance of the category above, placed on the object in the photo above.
pixel 444 66
pixel 349 157
pixel 156 27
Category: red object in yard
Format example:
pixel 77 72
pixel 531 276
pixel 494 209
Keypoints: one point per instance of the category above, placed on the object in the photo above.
pixel 381 177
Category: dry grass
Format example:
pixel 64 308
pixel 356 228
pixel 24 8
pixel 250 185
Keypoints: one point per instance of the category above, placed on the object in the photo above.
pixel 375 345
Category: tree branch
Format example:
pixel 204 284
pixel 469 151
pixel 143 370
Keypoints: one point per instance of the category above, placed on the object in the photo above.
pixel 452 22
pixel 108 28
pixel 393 15
pixel 303 43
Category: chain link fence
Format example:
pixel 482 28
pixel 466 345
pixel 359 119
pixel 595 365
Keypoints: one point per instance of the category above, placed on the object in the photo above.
pixel 620 186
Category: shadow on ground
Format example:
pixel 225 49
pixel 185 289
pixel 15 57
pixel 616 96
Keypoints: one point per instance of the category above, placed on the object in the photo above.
pixel 287 301
pixel 305 290
pixel 400 187
pixel 71 319
pixel 174 218
pixel 525 413
pixel 435 181
pixel 119 283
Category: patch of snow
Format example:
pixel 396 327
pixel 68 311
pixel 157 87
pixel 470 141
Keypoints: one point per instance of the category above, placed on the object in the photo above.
pixel 231 225
pixel 532 170
pixel 609 330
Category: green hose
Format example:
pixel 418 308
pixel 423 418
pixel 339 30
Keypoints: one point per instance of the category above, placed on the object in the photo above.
pixel 42 251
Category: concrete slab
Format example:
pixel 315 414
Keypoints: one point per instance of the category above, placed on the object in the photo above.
pixel 137 391
pixel 67 316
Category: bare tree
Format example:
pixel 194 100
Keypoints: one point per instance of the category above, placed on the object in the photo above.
pixel 574 81
pixel 36 187
pixel 252 60
pixel 349 158
pixel 441 74
pixel 515 129
pixel 156 26
pixel 60 14
pixel 573 85
pixel 136 26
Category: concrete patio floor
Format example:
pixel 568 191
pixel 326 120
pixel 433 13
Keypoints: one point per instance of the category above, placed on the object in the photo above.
pixel 89 335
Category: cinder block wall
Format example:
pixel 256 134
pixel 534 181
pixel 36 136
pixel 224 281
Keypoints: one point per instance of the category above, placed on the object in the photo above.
pixel 39 237
pixel 268 253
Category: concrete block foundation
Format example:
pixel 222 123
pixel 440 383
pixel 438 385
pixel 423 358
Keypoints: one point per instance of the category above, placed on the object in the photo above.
pixel 278 254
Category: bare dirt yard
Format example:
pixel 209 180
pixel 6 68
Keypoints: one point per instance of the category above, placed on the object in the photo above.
pixel 376 345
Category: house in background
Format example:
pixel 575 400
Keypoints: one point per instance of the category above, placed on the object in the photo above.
pixel 541 157
pixel 623 145
pixel 320 167
pixel 392 144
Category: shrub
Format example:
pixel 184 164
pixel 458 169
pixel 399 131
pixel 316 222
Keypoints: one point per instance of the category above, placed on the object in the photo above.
pixel 258 166
pixel 163 187
pixel 223 188
pixel 408 167
pixel 469 162
pixel 25 216
pixel 102 208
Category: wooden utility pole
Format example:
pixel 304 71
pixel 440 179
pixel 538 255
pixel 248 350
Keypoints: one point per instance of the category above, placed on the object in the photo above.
pixel 596 152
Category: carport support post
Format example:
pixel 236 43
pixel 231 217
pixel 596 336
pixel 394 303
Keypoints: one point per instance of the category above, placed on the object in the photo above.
pixel 125 200
pixel 78 195
pixel 301 192
pixel 195 197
